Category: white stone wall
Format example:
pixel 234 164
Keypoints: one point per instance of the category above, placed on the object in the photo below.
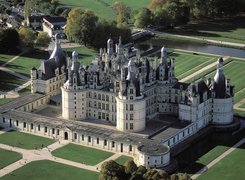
pixel 157 161
pixel 131 120
pixel 222 111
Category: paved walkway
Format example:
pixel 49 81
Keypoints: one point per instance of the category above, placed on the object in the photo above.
pixel 215 161
pixel 201 70
pixel 45 154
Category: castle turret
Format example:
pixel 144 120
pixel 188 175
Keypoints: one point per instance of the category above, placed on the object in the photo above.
pixel 110 47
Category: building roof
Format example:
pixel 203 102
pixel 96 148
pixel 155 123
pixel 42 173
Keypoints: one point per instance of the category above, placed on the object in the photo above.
pixel 153 149
pixel 55 19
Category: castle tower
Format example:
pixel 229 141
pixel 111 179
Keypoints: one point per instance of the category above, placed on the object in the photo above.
pixel 222 103
pixel 131 105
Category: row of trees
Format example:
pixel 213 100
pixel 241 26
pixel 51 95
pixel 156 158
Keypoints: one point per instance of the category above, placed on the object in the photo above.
pixel 11 38
pixel 176 12
pixel 84 27
pixel 112 170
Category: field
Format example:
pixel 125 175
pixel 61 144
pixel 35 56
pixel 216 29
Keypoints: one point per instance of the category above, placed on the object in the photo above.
pixel 100 9
pixel 23 65
pixel 9 82
pixel 230 30
pixel 39 170
pixel 122 159
pixel 136 4
pixel 85 56
pixel 8 157
pixel 228 168
pixel 82 154
pixel 186 63
pixel 5 58
pixel 24 140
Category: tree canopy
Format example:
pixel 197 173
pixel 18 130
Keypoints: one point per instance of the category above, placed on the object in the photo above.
pixel 27 36
pixel 43 40
pixel 9 39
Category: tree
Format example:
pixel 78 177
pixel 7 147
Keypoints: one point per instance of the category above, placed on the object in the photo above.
pixel 130 166
pixel 157 4
pixel 143 18
pixel 123 12
pixel 9 39
pixel 43 40
pixel 81 26
pixel 27 36
pixel 112 170
pixel 162 17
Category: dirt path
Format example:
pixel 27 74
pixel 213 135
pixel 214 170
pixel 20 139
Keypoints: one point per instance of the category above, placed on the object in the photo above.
pixel 215 161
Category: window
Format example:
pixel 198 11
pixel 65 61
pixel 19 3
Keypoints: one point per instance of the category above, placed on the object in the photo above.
pixel 131 116
pixel 99 96
pixel 17 123
pixel 89 139
pixel 38 127
pixel 105 142
pixel 98 140
pixel 46 129
pixel 107 98
pixel 131 97
pixel 53 131
pixel 31 126
pixel 126 107
pixel 82 137
pixel 131 107
pixel 131 126
pixel 99 105
pixel 130 148
pixel 75 135
pixel 126 126
pixel 58 132
pixel 24 124
pixel 113 144
pixel 131 91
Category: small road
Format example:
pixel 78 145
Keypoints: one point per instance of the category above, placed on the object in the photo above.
pixel 236 106
pixel 215 161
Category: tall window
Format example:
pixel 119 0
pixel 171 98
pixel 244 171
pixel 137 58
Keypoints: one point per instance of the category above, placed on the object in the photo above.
pixel 131 107
pixel 113 144
pixel 131 126
pixel 24 124
pixel 105 142
pixel 131 116
pixel 98 140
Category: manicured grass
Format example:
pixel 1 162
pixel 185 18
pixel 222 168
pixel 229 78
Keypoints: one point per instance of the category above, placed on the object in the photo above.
pixel 242 106
pixel 227 29
pixel 8 157
pixel 213 154
pixel 9 82
pixel 136 4
pixel 39 170
pixel 239 112
pixel 82 154
pixel 231 167
pixel 100 9
pixel 86 55
pixel 5 58
pixel 122 159
pixel 24 140
pixel 23 65
pixel 187 63
pixel 5 100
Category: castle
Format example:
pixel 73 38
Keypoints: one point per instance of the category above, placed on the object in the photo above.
pixel 128 93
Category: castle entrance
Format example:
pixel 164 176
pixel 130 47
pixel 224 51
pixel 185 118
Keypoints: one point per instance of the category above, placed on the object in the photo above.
pixel 66 135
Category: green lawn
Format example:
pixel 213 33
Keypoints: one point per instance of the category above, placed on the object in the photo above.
pixel 23 65
pixel 242 106
pixel 213 154
pixel 39 170
pixel 227 29
pixel 136 4
pixel 231 167
pixel 122 159
pixel 187 63
pixel 9 82
pixel 6 100
pixel 8 157
pixel 24 140
pixel 82 154
pixel 86 55
pixel 5 58
pixel 100 9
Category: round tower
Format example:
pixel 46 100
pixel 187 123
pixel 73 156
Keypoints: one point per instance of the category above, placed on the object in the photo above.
pixel 131 105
